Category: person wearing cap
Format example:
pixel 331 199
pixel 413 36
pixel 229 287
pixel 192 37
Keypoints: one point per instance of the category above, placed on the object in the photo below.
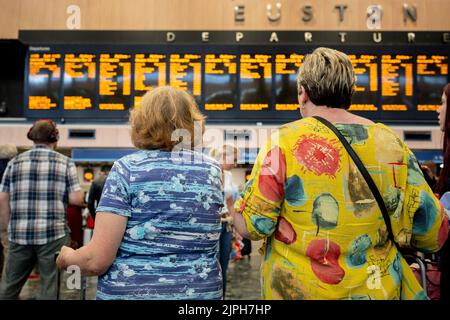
pixel 37 186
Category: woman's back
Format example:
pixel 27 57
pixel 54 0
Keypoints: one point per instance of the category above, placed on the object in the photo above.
pixel 327 237
pixel 170 243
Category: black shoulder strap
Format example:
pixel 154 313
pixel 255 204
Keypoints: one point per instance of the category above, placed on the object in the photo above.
pixel 365 174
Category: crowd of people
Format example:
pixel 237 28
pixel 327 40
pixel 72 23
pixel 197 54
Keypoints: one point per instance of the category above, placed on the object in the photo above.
pixel 165 216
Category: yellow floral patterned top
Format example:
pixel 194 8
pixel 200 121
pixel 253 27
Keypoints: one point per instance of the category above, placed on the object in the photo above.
pixel 325 234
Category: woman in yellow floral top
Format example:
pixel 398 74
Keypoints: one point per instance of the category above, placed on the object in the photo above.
pixel 325 236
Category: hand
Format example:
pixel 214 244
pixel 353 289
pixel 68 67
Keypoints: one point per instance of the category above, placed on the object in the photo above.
pixel 237 235
pixel 427 171
pixel 64 254
pixel 227 219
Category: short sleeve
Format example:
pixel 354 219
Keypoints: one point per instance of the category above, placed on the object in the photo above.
pixel 73 184
pixel 6 180
pixel 116 192
pixel 261 198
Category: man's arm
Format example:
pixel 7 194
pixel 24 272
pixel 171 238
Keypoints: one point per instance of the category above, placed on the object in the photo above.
pixel 76 198
pixel 5 210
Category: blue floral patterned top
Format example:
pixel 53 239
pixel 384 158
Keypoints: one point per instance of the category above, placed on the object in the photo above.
pixel 169 250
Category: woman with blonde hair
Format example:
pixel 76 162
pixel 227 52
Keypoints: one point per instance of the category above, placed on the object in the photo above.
pixel 158 221
pixel 331 233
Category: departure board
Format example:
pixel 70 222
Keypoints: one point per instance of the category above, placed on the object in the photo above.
pixel 186 73
pixel 44 81
pixel 220 82
pixel 230 83
pixel 115 81
pixel 79 81
pixel 365 97
pixel 286 69
pixel 255 81
pixel 397 82
pixel 432 75
pixel 149 73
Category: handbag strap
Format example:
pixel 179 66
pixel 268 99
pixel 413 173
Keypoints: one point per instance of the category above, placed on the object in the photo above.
pixel 365 174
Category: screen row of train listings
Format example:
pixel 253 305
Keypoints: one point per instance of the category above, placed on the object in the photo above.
pixel 223 82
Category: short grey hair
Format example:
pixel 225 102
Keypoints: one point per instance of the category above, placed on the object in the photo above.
pixel 328 78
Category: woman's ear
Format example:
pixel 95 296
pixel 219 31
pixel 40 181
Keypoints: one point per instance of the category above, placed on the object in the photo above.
pixel 302 96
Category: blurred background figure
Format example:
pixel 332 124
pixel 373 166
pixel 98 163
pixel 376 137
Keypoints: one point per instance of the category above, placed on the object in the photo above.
pixel 96 189
pixel 7 152
pixel 227 156
pixel 443 186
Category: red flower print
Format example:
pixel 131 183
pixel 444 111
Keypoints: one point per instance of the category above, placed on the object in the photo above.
pixel 318 155
pixel 285 232
pixel 272 175
pixel 324 255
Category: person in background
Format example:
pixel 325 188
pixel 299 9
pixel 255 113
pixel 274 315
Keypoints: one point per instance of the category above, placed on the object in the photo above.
pixel 429 170
pixel 227 156
pixel 75 223
pixel 443 186
pixel 95 191
pixel 325 235
pixel 157 226
pixel 7 152
pixel 37 186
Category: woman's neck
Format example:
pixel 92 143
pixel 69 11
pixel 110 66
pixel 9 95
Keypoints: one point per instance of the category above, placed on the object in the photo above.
pixel 337 115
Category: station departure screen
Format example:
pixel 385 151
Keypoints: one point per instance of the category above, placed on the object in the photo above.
pixel 149 72
pixel 365 97
pixel 255 81
pixel 286 69
pixel 397 82
pixel 44 81
pixel 79 81
pixel 186 73
pixel 115 81
pixel 231 84
pixel 432 75
pixel 220 82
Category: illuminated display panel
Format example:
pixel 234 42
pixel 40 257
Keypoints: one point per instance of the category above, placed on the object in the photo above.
pixel 186 73
pixel 397 82
pixel 255 81
pixel 231 83
pixel 149 73
pixel 44 81
pixel 220 82
pixel 79 81
pixel 432 75
pixel 115 81
pixel 286 69
pixel 365 97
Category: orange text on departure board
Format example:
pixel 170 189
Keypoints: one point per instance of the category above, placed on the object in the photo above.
pixel 146 64
pixel 287 64
pixel 256 66
pixel 365 64
pixel 179 67
pixel 111 66
pixel 220 64
pixel 251 66
pixel 49 61
pixel 77 66
pixel 391 67
pixel 44 66
pixel 428 68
